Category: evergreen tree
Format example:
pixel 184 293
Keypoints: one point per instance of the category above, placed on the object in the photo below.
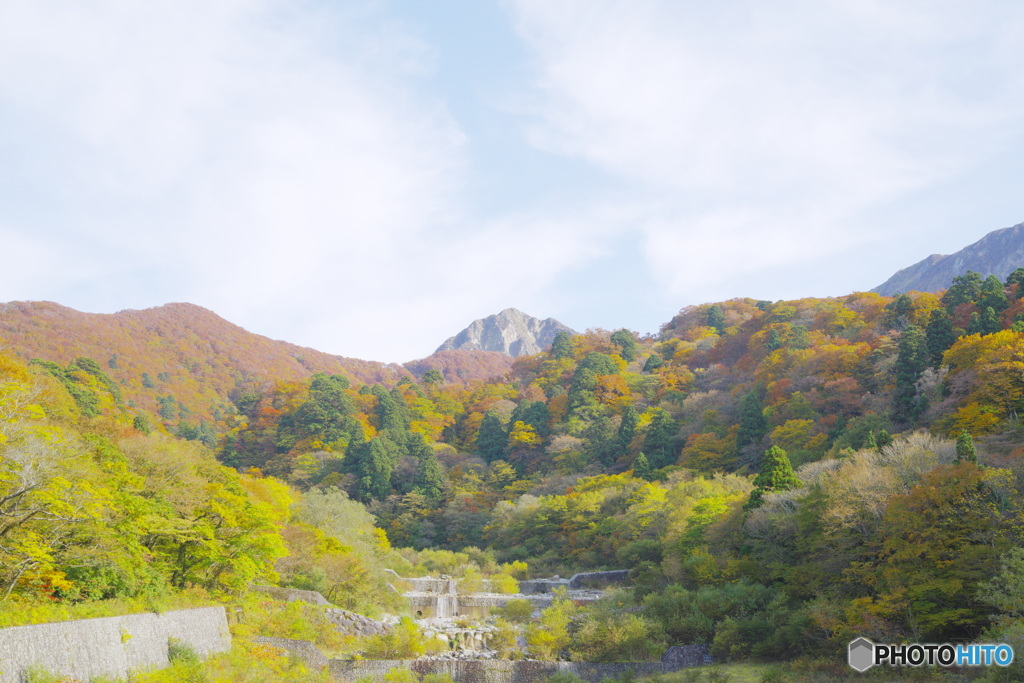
pixel 774 341
pixel 798 338
pixel 776 475
pixel 992 295
pixel 642 467
pixel 627 343
pixel 627 428
pixel 753 425
pixel 533 413
pixel 141 424
pixel 939 336
pixel 431 480
pixel 433 376
pixel 990 321
pixel 581 391
pixel 897 312
pixel 716 318
pixel 1016 278
pixel 601 445
pixel 911 361
pixel 965 289
pixel 870 443
pixel 562 346
pixel 654 361
pixel 884 438
pixel 599 363
pixel 375 461
pixel 659 443
pixel 965 448
pixel 492 440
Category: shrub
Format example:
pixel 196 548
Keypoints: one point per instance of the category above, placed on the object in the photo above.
pixel 519 610
pixel 403 641
pixel 617 638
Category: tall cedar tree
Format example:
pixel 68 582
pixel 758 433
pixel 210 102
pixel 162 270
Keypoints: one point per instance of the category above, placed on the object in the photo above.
pixel 430 479
pixel 492 440
pixel 627 428
pixel 658 444
pixel 753 425
pixel 911 361
pixel 641 467
pixel 965 448
pixel 939 336
pixel 776 475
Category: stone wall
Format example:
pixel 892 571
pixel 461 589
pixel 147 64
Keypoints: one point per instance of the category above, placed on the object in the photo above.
pixel 110 646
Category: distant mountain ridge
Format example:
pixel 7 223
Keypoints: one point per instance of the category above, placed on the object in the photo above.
pixel 511 332
pixel 187 352
pixel 998 253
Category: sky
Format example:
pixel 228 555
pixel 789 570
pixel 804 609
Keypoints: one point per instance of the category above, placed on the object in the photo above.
pixel 368 177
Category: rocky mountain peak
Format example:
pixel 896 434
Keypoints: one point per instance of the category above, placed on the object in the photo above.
pixel 511 332
pixel 998 253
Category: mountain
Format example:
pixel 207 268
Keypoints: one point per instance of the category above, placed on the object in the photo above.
pixel 998 253
pixel 176 350
pixel 462 365
pixel 511 332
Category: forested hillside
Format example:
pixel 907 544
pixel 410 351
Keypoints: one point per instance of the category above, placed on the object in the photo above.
pixel 884 434
pixel 779 476
pixel 179 365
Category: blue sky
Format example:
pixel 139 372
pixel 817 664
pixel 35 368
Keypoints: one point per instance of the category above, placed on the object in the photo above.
pixel 366 178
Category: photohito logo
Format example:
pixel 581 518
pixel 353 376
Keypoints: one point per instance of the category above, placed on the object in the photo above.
pixel 862 654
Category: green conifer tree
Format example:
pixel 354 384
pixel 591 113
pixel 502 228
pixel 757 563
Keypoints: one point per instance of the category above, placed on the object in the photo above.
pixel 1016 278
pixel 654 361
pixel 716 318
pixel 776 475
pixel 753 425
pixel 627 428
pixel 660 439
pixel 965 448
pixel 911 361
pixel 492 440
pixel 642 467
pixel 627 344
pixel 939 336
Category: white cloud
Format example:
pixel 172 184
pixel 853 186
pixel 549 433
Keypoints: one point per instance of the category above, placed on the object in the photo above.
pixel 764 134
pixel 273 165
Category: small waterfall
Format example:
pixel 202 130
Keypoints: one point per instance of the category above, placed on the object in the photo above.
pixel 448 599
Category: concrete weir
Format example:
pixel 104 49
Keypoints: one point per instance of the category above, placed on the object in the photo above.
pixel 440 598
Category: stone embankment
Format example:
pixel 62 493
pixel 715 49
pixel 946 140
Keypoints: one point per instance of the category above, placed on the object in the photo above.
pixel 109 646
pixel 352 624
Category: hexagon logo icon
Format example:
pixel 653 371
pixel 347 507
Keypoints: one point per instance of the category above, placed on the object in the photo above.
pixel 861 654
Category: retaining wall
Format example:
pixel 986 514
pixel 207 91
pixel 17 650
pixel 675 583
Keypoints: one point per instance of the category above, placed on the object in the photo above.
pixel 110 646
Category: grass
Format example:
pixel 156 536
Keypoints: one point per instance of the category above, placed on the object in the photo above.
pixel 19 612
